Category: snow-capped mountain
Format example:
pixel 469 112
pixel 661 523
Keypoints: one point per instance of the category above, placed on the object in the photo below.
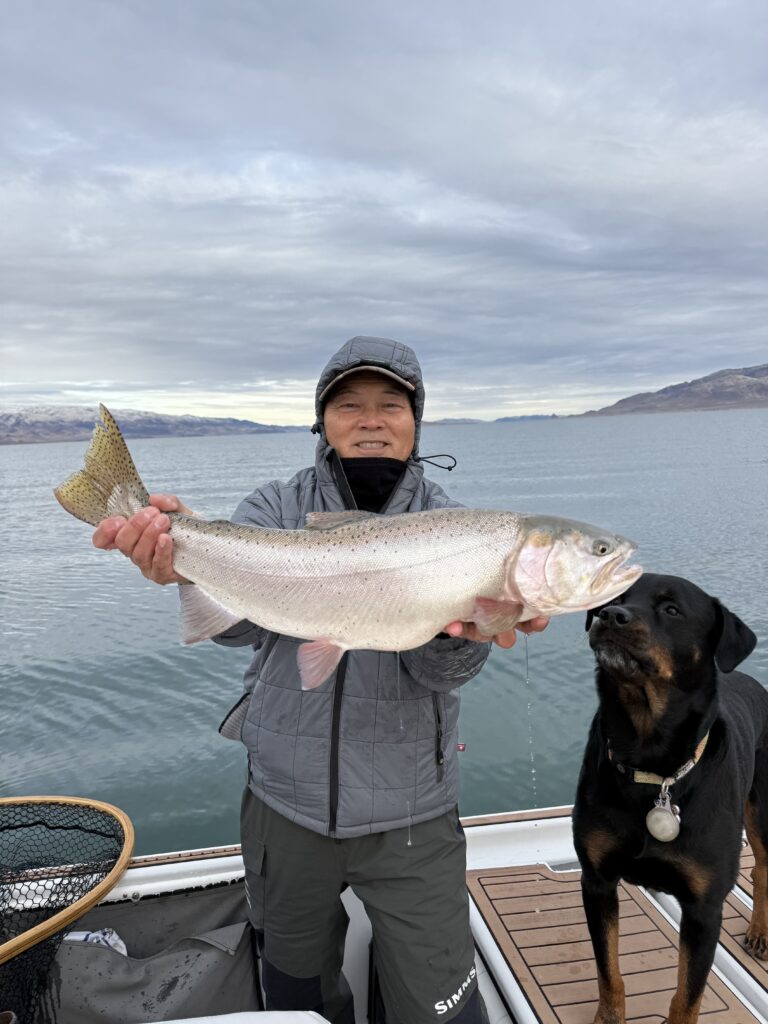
pixel 75 423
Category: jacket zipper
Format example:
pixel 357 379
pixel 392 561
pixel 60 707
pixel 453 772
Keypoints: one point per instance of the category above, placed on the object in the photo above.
pixel 338 690
pixel 392 493
pixel 338 693
pixel 439 754
pixel 343 484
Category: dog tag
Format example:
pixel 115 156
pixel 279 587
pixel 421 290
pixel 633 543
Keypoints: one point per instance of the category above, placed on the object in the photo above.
pixel 663 819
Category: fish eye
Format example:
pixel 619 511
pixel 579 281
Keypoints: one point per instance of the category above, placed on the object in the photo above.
pixel 602 547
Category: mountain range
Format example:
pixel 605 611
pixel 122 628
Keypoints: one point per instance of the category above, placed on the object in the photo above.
pixel 75 423
pixel 726 389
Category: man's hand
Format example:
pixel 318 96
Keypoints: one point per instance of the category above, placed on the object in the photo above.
pixel 507 639
pixel 144 538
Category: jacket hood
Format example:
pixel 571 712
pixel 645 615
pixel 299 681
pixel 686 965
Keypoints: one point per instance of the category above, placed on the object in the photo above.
pixel 383 352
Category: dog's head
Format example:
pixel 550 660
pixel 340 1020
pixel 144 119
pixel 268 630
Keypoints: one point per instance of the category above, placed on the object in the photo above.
pixel 667 630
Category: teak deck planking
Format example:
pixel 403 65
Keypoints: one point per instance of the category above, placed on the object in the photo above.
pixel 538 922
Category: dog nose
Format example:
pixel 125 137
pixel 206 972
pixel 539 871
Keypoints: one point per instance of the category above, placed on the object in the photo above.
pixel 615 615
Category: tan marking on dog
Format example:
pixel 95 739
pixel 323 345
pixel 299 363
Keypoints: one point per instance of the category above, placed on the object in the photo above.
pixel 665 666
pixel 598 845
pixel 645 705
pixel 610 985
pixel 681 1010
pixel 695 654
pixel 756 939
pixel 696 876
pixel 658 698
pixel 647 702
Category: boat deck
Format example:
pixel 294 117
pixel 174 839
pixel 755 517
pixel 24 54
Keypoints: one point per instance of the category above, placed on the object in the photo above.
pixel 537 921
pixel 535 960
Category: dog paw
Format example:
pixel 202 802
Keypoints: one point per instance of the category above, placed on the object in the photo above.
pixel 610 1016
pixel 757 943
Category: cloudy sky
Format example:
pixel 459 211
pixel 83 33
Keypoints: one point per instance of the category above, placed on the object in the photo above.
pixel 556 204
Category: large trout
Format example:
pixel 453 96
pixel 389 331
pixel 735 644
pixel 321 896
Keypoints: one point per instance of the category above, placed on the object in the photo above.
pixel 361 580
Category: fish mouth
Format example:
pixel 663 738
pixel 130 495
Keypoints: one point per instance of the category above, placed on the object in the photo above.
pixel 612 576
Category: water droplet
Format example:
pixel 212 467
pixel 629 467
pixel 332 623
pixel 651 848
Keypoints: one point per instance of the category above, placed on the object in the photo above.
pixel 530 724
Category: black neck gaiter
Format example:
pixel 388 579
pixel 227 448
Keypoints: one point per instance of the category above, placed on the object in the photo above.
pixel 372 480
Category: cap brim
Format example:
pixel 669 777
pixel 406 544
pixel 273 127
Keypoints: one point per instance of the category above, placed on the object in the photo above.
pixel 370 369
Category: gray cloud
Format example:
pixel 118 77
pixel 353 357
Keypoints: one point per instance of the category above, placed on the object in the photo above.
pixel 561 207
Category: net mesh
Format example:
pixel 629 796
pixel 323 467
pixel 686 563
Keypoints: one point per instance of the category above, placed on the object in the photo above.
pixel 51 855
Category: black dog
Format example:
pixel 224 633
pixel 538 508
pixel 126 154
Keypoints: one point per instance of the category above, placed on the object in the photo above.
pixel 671 708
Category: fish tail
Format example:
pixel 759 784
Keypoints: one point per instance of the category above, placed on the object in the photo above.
pixel 108 485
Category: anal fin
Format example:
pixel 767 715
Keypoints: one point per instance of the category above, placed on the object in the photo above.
pixel 317 661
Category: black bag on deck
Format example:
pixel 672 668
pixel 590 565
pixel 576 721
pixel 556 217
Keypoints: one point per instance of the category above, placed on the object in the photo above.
pixel 189 954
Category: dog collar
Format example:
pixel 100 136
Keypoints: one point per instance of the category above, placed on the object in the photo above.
pixel 659 780
pixel 663 819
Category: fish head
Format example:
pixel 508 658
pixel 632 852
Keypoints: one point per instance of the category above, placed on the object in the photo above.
pixel 567 566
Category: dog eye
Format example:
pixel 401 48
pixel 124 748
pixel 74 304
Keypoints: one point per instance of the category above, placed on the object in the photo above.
pixel 601 547
pixel 672 609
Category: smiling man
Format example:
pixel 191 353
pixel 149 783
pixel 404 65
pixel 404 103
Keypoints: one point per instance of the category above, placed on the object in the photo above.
pixel 368 413
pixel 355 783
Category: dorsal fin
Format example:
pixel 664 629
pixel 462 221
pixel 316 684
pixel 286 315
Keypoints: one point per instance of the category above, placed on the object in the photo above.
pixel 332 520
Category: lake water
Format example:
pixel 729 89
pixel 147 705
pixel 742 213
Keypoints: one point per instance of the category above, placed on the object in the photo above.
pixel 99 699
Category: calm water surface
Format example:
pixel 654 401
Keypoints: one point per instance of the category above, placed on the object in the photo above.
pixel 98 698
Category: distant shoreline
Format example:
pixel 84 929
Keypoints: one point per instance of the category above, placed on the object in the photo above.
pixel 134 433
pixel 722 391
pixel 130 435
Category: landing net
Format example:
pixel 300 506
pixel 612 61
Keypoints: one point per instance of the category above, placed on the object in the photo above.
pixel 58 856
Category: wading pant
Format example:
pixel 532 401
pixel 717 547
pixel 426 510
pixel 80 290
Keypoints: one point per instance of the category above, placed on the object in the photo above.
pixel 416 899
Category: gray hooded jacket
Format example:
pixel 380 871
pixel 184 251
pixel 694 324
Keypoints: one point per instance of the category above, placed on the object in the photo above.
pixel 375 746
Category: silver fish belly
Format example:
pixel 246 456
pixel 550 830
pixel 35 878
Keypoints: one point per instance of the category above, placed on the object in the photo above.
pixel 381 583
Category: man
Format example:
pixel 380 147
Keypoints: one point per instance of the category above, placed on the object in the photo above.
pixel 355 783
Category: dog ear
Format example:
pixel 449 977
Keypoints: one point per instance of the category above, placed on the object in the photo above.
pixel 736 641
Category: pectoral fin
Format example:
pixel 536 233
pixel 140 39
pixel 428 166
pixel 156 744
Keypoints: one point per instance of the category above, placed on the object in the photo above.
pixel 202 616
pixel 492 616
pixel 317 661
